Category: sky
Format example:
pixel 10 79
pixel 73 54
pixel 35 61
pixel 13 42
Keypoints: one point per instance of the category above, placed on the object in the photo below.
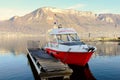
pixel 10 8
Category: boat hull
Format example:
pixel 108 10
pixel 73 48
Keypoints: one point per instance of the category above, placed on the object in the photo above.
pixel 77 58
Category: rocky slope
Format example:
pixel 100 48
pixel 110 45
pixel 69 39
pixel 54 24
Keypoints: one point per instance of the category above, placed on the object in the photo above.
pixel 43 19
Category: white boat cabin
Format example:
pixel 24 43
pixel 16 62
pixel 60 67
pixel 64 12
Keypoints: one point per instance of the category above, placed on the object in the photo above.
pixel 63 35
pixel 65 39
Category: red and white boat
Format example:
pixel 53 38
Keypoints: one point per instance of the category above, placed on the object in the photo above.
pixel 66 46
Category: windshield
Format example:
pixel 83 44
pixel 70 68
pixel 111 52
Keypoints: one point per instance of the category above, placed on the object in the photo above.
pixel 67 37
pixel 74 37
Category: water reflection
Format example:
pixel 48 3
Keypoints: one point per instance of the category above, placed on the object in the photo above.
pixel 105 62
pixel 14 45
pixel 13 61
pixel 13 51
pixel 106 48
pixel 19 45
pixel 81 73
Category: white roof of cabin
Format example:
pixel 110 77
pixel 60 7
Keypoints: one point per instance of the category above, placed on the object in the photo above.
pixel 63 31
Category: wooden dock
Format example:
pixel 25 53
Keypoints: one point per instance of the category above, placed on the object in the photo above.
pixel 47 66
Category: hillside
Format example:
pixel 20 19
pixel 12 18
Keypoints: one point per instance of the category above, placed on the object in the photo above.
pixel 42 19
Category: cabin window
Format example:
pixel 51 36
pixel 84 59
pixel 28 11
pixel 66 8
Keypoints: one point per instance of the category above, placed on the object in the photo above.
pixel 67 37
pixel 53 38
pixel 74 37
pixel 63 38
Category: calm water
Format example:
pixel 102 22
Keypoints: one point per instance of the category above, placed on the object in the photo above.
pixel 104 64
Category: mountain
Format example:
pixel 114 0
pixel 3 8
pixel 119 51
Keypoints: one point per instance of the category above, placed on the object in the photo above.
pixel 43 19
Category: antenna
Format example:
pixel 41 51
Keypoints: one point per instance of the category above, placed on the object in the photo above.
pixel 56 22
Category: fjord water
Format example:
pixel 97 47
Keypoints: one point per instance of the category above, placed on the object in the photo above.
pixel 14 65
pixel 13 62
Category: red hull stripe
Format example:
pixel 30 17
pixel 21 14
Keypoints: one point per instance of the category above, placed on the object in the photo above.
pixel 78 58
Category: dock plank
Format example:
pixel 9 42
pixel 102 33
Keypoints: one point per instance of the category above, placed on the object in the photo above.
pixel 47 62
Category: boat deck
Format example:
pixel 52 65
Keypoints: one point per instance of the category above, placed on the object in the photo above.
pixel 48 66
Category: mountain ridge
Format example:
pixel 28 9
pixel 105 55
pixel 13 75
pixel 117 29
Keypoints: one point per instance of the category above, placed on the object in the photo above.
pixel 42 19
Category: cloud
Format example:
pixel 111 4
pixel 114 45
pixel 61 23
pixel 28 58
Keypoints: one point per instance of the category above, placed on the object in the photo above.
pixel 76 6
pixel 6 13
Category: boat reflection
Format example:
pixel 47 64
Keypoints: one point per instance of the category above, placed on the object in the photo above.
pixel 81 73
